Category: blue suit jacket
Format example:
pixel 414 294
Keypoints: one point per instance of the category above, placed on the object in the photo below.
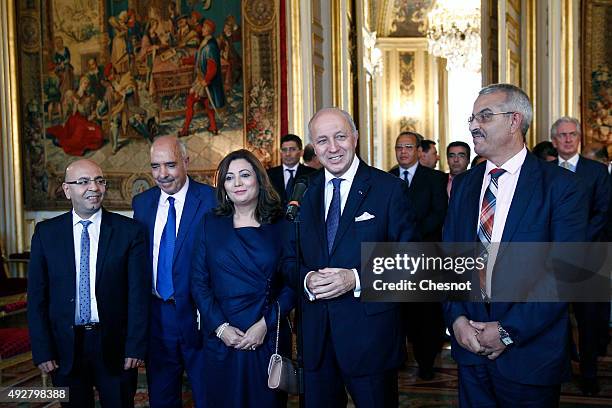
pixel 595 178
pixel 367 337
pixel 122 291
pixel 548 206
pixel 229 285
pixel 199 200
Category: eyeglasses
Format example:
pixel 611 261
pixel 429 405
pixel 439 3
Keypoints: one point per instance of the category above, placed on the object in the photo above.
pixel 567 134
pixel 484 117
pixel 408 146
pixel 85 181
pixel 457 155
pixel 289 149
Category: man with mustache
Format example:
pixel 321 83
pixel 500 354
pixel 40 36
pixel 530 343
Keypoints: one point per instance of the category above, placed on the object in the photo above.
pixel 172 213
pixel 510 354
pixel 87 295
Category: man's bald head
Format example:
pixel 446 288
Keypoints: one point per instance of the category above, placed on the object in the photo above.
pixel 78 166
pixel 169 161
pixel 84 185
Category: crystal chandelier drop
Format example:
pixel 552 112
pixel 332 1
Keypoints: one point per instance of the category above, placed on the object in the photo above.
pixel 454 33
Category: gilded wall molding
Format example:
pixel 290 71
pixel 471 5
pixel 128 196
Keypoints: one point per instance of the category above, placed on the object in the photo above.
pixel 11 207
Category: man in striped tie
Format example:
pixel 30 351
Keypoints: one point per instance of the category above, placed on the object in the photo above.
pixel 88 293
pixel 510 354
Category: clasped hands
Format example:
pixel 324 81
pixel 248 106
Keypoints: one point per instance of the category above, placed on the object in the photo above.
pixel 129 363
pixel 249 340
pixel 481 338
pixel 328 283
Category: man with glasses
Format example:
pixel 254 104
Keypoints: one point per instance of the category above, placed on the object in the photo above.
pixel 458 158
pixel 283 177
pixel 592 318
pixel 424 324
pixel 510 354
pixel 87 295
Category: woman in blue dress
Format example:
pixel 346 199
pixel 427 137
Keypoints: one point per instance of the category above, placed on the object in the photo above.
pixel 238 287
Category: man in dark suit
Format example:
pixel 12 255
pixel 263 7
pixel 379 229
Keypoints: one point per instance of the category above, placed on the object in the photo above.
pixel 283 177
pixel 172 213
pixel 458 158
pixel 87 295
pixel 510 354
pixel 592 318
pixel 427 187
pixel 347 343
pixel 423 322
pixel 428 154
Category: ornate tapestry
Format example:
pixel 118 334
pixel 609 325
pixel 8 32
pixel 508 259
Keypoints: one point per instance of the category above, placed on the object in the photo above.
pixel 596 75
pixel 100 79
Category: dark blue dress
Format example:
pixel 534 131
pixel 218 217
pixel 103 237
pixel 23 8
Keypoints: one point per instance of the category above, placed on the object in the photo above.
pixel 236 279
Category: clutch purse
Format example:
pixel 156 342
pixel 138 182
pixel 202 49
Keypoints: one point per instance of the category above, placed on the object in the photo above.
pixel 282 372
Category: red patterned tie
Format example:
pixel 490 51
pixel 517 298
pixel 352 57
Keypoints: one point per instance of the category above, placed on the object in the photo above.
pixel 485 227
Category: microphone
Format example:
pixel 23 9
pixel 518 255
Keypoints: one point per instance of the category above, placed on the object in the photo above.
pixel 293 207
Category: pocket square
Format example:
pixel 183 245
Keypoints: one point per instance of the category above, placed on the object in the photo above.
pixel 364 217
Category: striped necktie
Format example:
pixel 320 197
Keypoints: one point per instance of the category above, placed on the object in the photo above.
pixel 485 226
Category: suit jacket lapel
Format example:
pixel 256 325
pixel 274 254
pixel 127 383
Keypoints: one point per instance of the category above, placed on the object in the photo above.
pixel 151 220
pixel 316 205
pixel 359 190
pixel 415 183
pixel 522 195
pixel 472 204
pixel 190 209
pixel 68 247
pixel 106 231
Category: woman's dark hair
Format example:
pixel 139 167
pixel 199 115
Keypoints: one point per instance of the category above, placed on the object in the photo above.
pixel 544 149
pixel 268 208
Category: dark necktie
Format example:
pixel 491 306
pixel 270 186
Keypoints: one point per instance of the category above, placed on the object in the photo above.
pixel 290 182
pixel 84 292
pixel 485 226
pixel 164 286
pixel 333 215
pixel 406 179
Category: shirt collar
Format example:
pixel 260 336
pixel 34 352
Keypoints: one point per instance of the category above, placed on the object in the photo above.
pixel 572 160
pixel 513 165
pixel 349 175
pixel 285 168
pixel 178 196
pixel 95 218
pixel 411 169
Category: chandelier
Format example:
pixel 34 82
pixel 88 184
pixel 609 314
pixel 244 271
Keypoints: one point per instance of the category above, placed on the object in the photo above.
pixel 454 33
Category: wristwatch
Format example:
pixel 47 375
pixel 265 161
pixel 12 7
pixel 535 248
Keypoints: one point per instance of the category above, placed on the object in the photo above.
pixel 503 335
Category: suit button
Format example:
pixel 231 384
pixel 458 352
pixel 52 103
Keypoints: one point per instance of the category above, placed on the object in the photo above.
pixel 71 300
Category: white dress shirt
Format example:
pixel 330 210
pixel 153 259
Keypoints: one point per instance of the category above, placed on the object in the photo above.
pixel 286 173
pixel 506 187
pixel 411 171
pixel 160 222
pixel 94 238
pixel 345 188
